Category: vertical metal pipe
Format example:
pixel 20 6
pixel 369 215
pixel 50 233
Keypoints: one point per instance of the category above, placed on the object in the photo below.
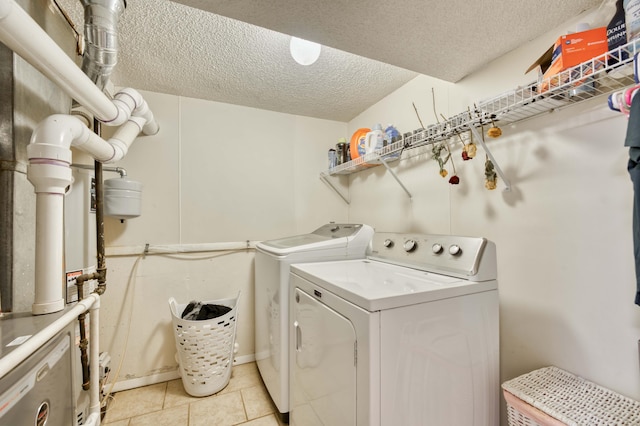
pixel 101 267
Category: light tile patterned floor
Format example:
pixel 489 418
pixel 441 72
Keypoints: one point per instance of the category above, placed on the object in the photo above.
pixel 244 401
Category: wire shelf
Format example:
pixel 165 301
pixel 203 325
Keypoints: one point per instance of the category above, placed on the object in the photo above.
pixel 599 76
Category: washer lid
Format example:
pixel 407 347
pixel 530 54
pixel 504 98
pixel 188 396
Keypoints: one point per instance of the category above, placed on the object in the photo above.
pixel 329 236
pixel 375 285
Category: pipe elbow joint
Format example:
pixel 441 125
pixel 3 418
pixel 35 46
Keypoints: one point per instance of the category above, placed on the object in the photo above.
pixel 124 112
pixel 53 137
pixel 151 127
pixel 49 153
pixel 138 107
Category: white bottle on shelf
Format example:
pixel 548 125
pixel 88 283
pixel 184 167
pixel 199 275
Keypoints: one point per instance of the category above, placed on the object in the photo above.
pixel 632 19
pixel 374 140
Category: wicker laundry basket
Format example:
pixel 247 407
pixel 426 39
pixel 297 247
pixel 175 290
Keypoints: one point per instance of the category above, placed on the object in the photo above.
pixel 553 397
pixel 205 348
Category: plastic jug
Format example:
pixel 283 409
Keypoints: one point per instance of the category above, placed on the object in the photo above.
pixel 374 140
pixel 632 19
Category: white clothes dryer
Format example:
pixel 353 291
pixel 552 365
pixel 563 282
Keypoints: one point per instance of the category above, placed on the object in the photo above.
pixel 407 336
pixel 273 259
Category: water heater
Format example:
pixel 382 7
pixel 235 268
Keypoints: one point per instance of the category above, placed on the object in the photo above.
pixel 80 231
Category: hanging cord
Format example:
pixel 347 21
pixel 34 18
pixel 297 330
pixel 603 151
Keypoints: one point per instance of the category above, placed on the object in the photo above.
pixel 131 285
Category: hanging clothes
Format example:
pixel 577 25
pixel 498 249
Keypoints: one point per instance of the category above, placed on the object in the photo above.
pixel 632 140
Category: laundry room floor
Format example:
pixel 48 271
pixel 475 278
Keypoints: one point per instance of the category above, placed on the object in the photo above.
pixel 244 401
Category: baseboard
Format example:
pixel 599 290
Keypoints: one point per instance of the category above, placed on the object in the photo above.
pixel 244 359
pixel 139 382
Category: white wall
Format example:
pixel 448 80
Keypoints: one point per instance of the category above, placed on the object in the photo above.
pixel 563 234
pixel 214 173
pixel 221 172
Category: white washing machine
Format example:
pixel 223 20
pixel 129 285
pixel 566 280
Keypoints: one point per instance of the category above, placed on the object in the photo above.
pixel 273 259
pixel 407 336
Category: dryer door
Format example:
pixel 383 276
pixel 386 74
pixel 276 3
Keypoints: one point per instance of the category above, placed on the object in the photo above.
pixel 323 372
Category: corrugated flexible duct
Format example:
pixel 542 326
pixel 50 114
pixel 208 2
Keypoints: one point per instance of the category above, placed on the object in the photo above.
pixel 101 37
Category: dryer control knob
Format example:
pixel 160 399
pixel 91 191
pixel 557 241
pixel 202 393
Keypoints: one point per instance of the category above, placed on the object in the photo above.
pixel 455 250
pixel 436 248
pixel 410 246
pixel 388 243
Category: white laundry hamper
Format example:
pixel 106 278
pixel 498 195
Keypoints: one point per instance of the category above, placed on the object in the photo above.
pixel 205 348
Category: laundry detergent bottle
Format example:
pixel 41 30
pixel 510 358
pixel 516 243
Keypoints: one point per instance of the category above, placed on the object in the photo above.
pixel 632 19
pixel 374 140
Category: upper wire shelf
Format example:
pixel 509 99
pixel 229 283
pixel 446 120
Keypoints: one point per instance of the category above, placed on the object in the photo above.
pixel 599 76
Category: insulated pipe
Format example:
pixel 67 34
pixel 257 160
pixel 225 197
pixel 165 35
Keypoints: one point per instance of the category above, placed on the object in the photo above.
pixel 20 33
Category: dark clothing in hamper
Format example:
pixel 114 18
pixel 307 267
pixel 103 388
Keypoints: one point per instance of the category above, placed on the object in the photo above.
pixel 197 311
pixel 633 142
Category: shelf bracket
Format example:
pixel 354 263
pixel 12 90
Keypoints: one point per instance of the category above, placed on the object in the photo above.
pixel 325 178
pixel 395 176
pixel 478 136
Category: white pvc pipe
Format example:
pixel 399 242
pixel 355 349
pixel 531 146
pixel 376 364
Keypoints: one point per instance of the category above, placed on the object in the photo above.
pixel 139 108
pixel 63 131
pixel 49 153
pixel 179 248
pixel 22 352
pixel 49 275
pixel 20 33
pixel 94 356
pixel 50 157
pixel 124 137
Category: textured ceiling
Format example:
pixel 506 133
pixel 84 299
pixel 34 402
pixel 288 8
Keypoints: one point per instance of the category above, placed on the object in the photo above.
pixel 206 52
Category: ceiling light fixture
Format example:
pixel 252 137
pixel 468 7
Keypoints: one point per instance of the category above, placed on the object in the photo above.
pixel 304 52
